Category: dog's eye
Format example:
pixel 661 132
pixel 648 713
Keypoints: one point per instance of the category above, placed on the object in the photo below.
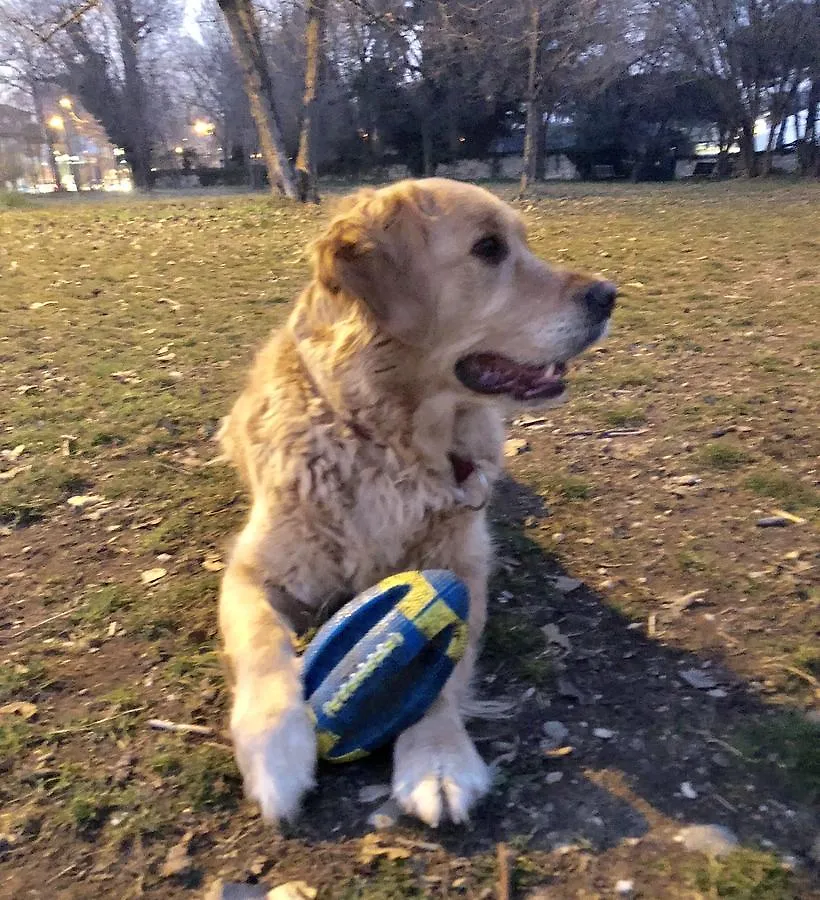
pixel 491 249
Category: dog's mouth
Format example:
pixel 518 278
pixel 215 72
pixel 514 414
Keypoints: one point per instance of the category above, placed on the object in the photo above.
pixel 492 373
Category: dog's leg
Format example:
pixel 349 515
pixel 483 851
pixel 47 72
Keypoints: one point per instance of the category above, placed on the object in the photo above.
pixel 437 770
pixel 272 733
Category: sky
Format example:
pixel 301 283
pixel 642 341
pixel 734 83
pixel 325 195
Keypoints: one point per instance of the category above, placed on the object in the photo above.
pixel 190 25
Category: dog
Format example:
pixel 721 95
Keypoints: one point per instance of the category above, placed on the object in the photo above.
pixel 369 435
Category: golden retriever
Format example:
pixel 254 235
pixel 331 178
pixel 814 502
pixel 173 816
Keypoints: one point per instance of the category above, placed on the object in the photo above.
pixel 369 435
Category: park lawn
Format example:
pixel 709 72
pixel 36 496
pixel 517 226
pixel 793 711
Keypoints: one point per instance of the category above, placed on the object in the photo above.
pixel 127 327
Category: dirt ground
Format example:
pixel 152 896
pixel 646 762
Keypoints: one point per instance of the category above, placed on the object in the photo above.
pixel 654 618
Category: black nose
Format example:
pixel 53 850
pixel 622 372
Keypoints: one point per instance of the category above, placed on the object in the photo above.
pixel 600 299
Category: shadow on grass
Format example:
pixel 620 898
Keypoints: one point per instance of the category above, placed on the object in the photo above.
pixel 664 752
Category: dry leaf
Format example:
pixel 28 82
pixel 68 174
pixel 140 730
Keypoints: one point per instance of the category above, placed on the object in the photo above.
pixel 554 636
pixel 292 890
pixel 13 453
pixel 11 473
pixel 373 792
pixel 372 848
pixel 698 679
pixel 558 752
pixel 178 860
pixel 81 500
pixel 515 447
pixel 566 585
pixel 149 576
pixel 213 563
pixel 19 708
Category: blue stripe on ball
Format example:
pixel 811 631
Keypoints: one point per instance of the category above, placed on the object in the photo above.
pixel 378 665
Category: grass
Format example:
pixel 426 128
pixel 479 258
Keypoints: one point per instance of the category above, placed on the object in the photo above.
pixel 794 742
pixel 745 875
pixel 128 327
pixel 789 491
pixel 205 776
pixel 724 457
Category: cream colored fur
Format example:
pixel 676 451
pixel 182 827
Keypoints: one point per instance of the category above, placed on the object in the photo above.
pixel 343 436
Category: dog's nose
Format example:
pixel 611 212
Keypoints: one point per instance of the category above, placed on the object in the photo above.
pixel 599 299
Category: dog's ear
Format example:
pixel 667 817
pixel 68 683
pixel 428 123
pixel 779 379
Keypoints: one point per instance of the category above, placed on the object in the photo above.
pixel 375 250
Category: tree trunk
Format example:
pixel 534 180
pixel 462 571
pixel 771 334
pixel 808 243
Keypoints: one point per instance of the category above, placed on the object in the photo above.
pixel 306 157
pixel 247 44
pixel 807 151
pixel 532 134
pixel 427 162
pixel 747 148
pixel 138 150
pixel 37 101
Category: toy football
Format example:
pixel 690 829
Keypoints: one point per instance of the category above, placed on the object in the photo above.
pixel 376 667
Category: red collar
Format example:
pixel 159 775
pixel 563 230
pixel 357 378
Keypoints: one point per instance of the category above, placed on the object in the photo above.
pixel 462 468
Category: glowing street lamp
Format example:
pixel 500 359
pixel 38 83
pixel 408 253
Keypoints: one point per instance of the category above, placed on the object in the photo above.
pixel 65 103
pixel 56 122
pixel 201 128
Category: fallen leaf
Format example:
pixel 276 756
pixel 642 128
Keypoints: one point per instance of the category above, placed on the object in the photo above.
pixel 372 848
pixel 178 860
pixel 567 689
pixel 80 500
pixel 558 752
pixel 213 563
pixel 696 678
pixel 566 585
pixel 13 472
pixel 14 453
pixel 19 708
pixel 373 792
pixel 554 636
pixel 605 734
pixel 149 576
pixel 292 890
pixel 515 447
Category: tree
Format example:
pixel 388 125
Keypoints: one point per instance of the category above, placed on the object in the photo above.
pixel 306 158
pixel 750 52
pixel 247 43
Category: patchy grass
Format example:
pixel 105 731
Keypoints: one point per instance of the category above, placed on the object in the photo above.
pixel 790 492
pixel 724 457
pixel 745 875
pixel 793 742
pixel 206 776
pixel 128 328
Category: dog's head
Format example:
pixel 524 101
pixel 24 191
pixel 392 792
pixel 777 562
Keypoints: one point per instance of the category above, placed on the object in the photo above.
pixel 444 267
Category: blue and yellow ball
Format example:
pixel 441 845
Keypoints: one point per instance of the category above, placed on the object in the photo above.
pixel 377 666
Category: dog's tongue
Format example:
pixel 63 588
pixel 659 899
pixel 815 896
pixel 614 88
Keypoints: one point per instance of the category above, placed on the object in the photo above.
pixel 491 373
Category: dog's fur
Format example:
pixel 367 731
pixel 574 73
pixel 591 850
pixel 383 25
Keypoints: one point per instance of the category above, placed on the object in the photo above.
pixel 346 435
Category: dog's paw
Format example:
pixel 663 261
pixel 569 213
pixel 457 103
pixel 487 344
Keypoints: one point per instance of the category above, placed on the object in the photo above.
pixel 437 772
pixel 277 758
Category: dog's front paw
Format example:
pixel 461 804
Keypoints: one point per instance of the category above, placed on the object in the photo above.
pixel 276 754
pixel 437 771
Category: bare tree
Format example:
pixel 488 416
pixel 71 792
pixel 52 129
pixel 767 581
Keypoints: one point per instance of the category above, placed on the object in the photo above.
pixel 306 158
pixel 244 29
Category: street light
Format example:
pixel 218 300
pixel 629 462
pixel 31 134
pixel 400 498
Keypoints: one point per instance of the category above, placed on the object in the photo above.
pixel 65 103
pixel 201 128
pixel 56 122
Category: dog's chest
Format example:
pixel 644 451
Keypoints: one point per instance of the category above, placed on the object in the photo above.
pixel 381 508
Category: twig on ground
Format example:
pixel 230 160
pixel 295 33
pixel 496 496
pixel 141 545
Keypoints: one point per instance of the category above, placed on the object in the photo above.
pixel 607 434
pixel 62 872
pixel 794 671
pixel 179 727
pixel 724 802
pixel 91 725
pixel 59 615
pixel 503 856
